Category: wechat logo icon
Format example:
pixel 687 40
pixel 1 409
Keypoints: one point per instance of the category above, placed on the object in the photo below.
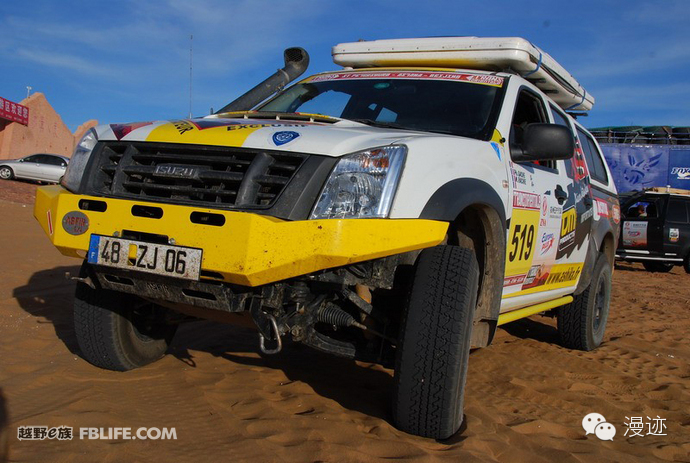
pixel 595 423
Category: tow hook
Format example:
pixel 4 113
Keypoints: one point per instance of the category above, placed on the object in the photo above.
pixel 276 333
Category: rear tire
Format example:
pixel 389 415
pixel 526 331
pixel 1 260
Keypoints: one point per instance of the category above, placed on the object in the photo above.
pixel 117 331
pixel 434 345
pixel 659 267
pixel 6 173
pixel 581 324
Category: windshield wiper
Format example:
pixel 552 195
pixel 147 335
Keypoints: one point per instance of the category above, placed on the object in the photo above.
pixel 282 116
pixel 393 125
pixel 385 125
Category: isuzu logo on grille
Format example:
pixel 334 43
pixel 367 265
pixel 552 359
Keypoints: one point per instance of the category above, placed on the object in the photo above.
pixel 173 171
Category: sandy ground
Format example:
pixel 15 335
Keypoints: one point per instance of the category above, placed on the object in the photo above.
pixel 525 401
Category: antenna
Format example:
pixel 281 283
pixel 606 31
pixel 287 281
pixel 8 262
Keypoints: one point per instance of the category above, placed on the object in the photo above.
pixel 191 43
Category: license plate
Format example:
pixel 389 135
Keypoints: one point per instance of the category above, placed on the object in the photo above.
pixel 161 259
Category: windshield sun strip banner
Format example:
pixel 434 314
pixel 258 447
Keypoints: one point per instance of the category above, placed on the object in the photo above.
pixel 495 81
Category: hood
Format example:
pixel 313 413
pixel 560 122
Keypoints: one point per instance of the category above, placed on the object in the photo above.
pixel 328 139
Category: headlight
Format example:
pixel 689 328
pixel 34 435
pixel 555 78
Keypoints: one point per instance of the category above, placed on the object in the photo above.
pixel 77 164
pixel 362 184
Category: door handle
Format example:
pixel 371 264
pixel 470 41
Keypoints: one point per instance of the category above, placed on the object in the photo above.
pixel 561 195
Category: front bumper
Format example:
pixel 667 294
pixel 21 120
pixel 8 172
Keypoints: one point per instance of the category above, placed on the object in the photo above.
pixel 247 249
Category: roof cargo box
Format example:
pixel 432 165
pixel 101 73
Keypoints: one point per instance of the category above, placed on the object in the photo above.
pixel 511 54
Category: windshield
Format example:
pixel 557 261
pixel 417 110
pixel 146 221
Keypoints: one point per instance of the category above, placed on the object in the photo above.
pixel 452 103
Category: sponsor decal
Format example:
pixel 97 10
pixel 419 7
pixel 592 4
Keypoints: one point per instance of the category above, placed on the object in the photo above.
pixel 262 126
pixel 547 241
pixel 122 130
pixel 568 223
pixel 525 200
pixel 183 126
pixel 681 173
pixel 75 223
pixel 494 145
pixel 284 137
pixel 635 234
pixel 513 280
pixel 536 276
pixel 601 209
pixel 567 273
pixel 616 213
pixel 555 212
pixel 495 81
pixel 673 234
pixel 586 215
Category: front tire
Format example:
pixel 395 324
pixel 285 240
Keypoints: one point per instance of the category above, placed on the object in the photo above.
pixel 6 173
pixel 581 324
pixel 117 331
pixel 434 345
pixel 658 267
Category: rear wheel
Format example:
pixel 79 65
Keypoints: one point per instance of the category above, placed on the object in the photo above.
pixel 661 267
pixel 434 344
pixel 6 173
pixel 117 331
pixel 581 324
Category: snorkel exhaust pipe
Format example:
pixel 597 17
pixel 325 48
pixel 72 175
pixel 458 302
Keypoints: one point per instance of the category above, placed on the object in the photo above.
pixel 296 62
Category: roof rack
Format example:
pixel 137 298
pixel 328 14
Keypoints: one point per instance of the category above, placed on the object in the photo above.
pixel 503 54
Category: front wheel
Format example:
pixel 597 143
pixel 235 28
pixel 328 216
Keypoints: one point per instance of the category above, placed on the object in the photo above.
pixel 117 331
pixel 6 173
pixel 581 324
pixel 659 267
pixel 434 344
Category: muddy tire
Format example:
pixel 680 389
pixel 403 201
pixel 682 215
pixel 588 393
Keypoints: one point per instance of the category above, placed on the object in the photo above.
pixel 581 324
pixel 659 267
pixel 117 331
pixel 434 343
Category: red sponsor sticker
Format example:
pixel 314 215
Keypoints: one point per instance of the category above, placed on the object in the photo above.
pixel 524 200
pixel 513 280
pixel 602 208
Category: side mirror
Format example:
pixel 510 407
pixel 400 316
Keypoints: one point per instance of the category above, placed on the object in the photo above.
pixel 545 142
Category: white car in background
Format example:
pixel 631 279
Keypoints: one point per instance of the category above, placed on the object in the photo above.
pixel 41 167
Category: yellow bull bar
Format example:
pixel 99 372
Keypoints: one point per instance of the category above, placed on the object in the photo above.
pixel 247 249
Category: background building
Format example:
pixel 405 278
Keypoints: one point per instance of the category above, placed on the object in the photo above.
pixel 41 131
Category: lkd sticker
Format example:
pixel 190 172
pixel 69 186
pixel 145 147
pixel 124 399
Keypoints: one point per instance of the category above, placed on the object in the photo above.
pixel 281 138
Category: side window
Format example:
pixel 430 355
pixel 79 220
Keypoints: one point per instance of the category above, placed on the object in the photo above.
pixel 676 211
pixel 33 158
pixel 45 159
pixel 594 160
pixel 529 109
pixel 559 118
pixel 646 209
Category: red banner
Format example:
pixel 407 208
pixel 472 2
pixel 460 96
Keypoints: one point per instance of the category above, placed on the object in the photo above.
pixel 14 111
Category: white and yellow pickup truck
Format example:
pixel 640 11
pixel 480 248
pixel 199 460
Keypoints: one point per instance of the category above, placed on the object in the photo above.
pixel 397 211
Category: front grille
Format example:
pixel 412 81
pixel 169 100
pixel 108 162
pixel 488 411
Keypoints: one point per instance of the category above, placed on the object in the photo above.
pixel 210 176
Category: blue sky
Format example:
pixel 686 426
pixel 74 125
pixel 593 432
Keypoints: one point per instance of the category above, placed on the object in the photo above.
pixel 122 61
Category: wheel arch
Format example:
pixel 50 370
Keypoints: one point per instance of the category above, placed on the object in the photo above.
pixel 477 221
